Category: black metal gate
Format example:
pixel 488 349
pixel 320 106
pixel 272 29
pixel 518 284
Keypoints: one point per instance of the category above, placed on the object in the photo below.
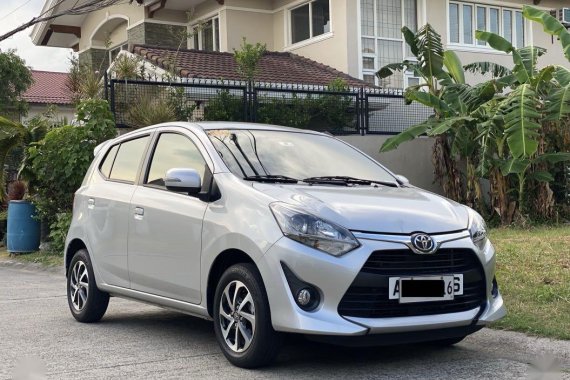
pixel 136 103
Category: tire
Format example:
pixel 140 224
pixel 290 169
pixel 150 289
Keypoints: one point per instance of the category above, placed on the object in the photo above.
pixel 87 303
pixel 447 342
pixel 264 345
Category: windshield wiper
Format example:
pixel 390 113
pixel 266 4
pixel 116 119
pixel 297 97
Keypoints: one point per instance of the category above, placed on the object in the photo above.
pixel 345 181
pixel 269 178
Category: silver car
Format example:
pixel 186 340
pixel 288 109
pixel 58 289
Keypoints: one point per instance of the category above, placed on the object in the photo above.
pixel 268 230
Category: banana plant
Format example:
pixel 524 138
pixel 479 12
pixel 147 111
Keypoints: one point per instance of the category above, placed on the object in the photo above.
pixel 557 101
pixel 497 133
pixel 443 88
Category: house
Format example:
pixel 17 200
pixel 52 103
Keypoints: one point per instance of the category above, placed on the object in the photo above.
pixel 49 89
pixel 356 37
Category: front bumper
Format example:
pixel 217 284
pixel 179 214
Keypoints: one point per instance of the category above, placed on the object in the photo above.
pixel 333 276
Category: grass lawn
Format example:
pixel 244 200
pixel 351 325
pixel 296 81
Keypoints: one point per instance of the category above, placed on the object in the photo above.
pixel 533 271
pixel 45 259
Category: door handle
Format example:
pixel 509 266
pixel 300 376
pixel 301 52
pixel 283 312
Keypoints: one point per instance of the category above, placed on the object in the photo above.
pixel 139 213
pixel 91 203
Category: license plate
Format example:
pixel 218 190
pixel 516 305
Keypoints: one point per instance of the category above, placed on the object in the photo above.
pixel 426 288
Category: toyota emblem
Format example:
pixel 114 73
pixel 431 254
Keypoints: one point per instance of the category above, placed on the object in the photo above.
pixel 423 243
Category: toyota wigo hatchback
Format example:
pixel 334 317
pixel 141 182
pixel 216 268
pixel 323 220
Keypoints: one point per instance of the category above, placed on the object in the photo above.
pixel 269 230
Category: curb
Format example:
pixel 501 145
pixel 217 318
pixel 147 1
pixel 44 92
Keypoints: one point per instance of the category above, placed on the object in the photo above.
pixel 34 267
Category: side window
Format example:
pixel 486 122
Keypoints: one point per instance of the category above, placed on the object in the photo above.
pixel 174 151
pixel 107 163
pixel 128 159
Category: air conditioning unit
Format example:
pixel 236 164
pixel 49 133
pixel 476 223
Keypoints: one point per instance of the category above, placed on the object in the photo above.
pixel 564 16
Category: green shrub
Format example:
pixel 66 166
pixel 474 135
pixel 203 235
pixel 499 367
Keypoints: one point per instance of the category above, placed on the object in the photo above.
pixel 149 110
pixel 58 232
pixel 182 106
pixel 293 112
pixel 56 165
pixel 325 112
pixel 97 119
pixel 225 107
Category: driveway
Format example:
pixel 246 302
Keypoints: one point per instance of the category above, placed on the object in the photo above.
pixel 136 341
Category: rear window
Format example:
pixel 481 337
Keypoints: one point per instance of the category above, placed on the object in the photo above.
pixel 107 163
pixel 122 161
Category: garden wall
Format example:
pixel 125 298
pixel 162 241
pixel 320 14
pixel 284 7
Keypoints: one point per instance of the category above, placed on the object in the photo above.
pixel 412 159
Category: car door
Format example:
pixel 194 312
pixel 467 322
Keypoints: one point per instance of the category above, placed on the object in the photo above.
pixel 108 200
pixel 165 228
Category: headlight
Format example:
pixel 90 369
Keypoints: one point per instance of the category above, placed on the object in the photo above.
pixel 477 229
pixel 313 231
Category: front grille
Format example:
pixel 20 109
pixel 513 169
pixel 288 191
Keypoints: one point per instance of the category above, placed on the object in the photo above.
pixel 367 297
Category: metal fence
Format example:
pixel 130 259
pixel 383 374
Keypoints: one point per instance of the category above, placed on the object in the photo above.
pixel 137 103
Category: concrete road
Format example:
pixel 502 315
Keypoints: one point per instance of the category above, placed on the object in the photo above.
pixel 136 341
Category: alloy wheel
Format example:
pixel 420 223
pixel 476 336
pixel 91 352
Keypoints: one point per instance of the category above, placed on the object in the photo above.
pixel 237 316
pixel 79 285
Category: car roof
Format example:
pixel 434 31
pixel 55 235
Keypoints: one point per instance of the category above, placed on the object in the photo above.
pixel 213 125
pixel 210 125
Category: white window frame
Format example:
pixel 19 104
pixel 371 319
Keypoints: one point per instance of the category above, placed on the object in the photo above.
pixel 363 55
pixel 217 41
pixel 476 45
pixel 119 47
pixel 311 37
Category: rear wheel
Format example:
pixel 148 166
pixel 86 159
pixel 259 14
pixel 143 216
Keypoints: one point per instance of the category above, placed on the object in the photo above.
pixel 242 320
pixel 86 302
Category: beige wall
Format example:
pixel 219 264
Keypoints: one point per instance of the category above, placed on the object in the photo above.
pixel 266 22
pixel 332 50
pixel 171 15
pixel 119 35
pixel 63 111
pixel 411 159
pixel 96 19
pixel 254 26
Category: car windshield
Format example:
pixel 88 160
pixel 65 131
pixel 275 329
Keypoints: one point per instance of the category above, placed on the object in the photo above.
pixel 282 156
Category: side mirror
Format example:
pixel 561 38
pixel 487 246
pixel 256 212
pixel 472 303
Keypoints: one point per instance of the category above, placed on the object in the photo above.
pixel 183 180
pixel 403 180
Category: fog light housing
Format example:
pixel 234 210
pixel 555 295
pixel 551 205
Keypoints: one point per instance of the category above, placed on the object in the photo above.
pixel 495 288
pixel 306 296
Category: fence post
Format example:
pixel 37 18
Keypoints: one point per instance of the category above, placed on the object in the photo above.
pixel 112 85
pixel 106 79
pixel 363 112
pixel 254 104
pixel 246 102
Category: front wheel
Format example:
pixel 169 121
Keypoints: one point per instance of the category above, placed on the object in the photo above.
pixel 242 320
pixel 86 302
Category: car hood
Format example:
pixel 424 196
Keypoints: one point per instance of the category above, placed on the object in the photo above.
pixel 381 209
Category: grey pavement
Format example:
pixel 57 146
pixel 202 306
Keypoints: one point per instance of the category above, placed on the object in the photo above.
pixel 137 341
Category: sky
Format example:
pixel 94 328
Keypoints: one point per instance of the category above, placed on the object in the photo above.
pixel 37 57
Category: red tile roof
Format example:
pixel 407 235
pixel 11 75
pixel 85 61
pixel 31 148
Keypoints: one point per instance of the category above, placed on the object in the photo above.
pixel 48 88
pixel 274 67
